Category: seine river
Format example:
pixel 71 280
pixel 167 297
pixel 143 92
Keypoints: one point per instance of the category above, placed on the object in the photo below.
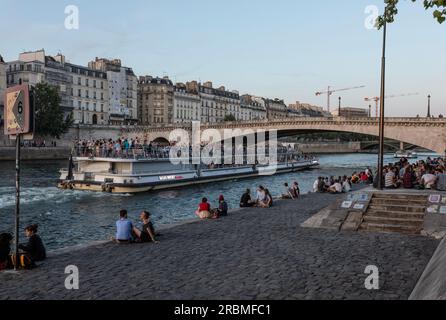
pixel 68 218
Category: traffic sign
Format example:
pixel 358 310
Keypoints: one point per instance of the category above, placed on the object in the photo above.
pixel 18 111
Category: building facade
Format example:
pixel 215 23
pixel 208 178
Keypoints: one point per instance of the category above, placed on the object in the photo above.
pixel 2 87
pixel 122 86
pixel 89 95
pixel 276 109
pixel 307 110
pixel 83 91
pixel 35 67
pixel 350 112
pixel 252 108
pixel 155 101
pixel 217 103
pixel 187 104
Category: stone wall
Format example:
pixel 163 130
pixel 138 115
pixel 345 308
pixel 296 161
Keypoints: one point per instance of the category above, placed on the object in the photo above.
pixel 330 147
pixel 432 284
pixel 59 153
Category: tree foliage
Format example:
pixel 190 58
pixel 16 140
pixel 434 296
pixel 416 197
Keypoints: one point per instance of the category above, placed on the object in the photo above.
pixel 392 10
pixel 230 118
pixel 50 120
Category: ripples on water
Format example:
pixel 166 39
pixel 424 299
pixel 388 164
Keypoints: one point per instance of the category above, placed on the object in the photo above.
pixel 68 218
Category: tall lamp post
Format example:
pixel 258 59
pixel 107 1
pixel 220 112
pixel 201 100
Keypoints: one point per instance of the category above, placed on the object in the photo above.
pixel 339 108
pixel 382 102
pixel 429 106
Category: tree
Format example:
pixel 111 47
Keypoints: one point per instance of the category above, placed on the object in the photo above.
pixel 230 118
pixel 392 10
pixel 49 115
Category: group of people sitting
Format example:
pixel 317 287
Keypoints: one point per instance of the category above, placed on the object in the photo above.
pixel 205 210
pixel 429 174
pixel 30 253
pixel 127 233
pixel 332 185
pixel 263 198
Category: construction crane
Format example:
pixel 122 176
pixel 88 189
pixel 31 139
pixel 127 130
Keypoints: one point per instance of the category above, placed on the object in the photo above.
pixel 329 92
pixel 377 100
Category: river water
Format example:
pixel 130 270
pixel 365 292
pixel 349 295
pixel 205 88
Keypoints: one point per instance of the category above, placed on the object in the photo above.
pixel 68 218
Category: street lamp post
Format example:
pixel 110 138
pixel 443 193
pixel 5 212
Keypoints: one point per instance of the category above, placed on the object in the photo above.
pixel 429 106
pixel 370 110
pixel 382 102
pixel 339 110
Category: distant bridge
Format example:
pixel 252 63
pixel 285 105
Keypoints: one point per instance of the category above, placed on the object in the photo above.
pixel 427 133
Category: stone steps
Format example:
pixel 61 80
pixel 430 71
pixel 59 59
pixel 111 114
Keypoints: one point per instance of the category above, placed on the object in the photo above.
pixel 394 221
pixel 400 196
pixel 397 208
pixel 395 213
pixel 384 201
pixel 378 227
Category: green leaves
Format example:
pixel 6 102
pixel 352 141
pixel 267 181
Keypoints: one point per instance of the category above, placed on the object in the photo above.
pixel 392 10
pixel 50 119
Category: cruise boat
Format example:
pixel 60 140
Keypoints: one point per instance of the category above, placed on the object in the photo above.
pixel 406 154
pixel 116 175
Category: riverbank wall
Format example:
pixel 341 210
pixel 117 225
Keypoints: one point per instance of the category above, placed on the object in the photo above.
pixel 330 147
pixel 26 154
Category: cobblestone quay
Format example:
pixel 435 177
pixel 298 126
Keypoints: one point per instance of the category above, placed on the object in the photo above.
pixel 252 254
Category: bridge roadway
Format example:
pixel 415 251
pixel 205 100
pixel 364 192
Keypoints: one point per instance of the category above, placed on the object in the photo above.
pixel 429 133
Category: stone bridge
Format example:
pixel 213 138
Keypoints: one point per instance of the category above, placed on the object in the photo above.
pixel 428 133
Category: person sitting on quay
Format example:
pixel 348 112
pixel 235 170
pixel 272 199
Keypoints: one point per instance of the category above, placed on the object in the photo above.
pixel 428 180
pixel 390 179
pixel 346 184
pixel 261 195
pixel 287 192
pixel 124 228
pixel 336 187
pixel 34 250
pixel 267 201
pixel 147 233
pixel 222 210
pixel 204 210
pixel 408 177
pixel 441 180
pixel 316 185
pixel 246 201
pixel 321 188
pixel 5 250
pixel 295 190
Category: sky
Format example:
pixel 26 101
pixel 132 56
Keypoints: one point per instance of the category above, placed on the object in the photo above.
pixel 288 49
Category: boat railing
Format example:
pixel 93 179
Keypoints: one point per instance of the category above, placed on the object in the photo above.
pixel 150 153
pixel 131 153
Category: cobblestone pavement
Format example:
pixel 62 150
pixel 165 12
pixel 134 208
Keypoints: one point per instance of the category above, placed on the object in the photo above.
pixel 252 254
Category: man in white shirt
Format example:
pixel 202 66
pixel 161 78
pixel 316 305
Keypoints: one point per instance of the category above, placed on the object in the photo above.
pixel 316 185
pixel 429 180
pixel 335 188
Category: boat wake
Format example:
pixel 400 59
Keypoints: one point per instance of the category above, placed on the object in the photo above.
pixel 51 194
